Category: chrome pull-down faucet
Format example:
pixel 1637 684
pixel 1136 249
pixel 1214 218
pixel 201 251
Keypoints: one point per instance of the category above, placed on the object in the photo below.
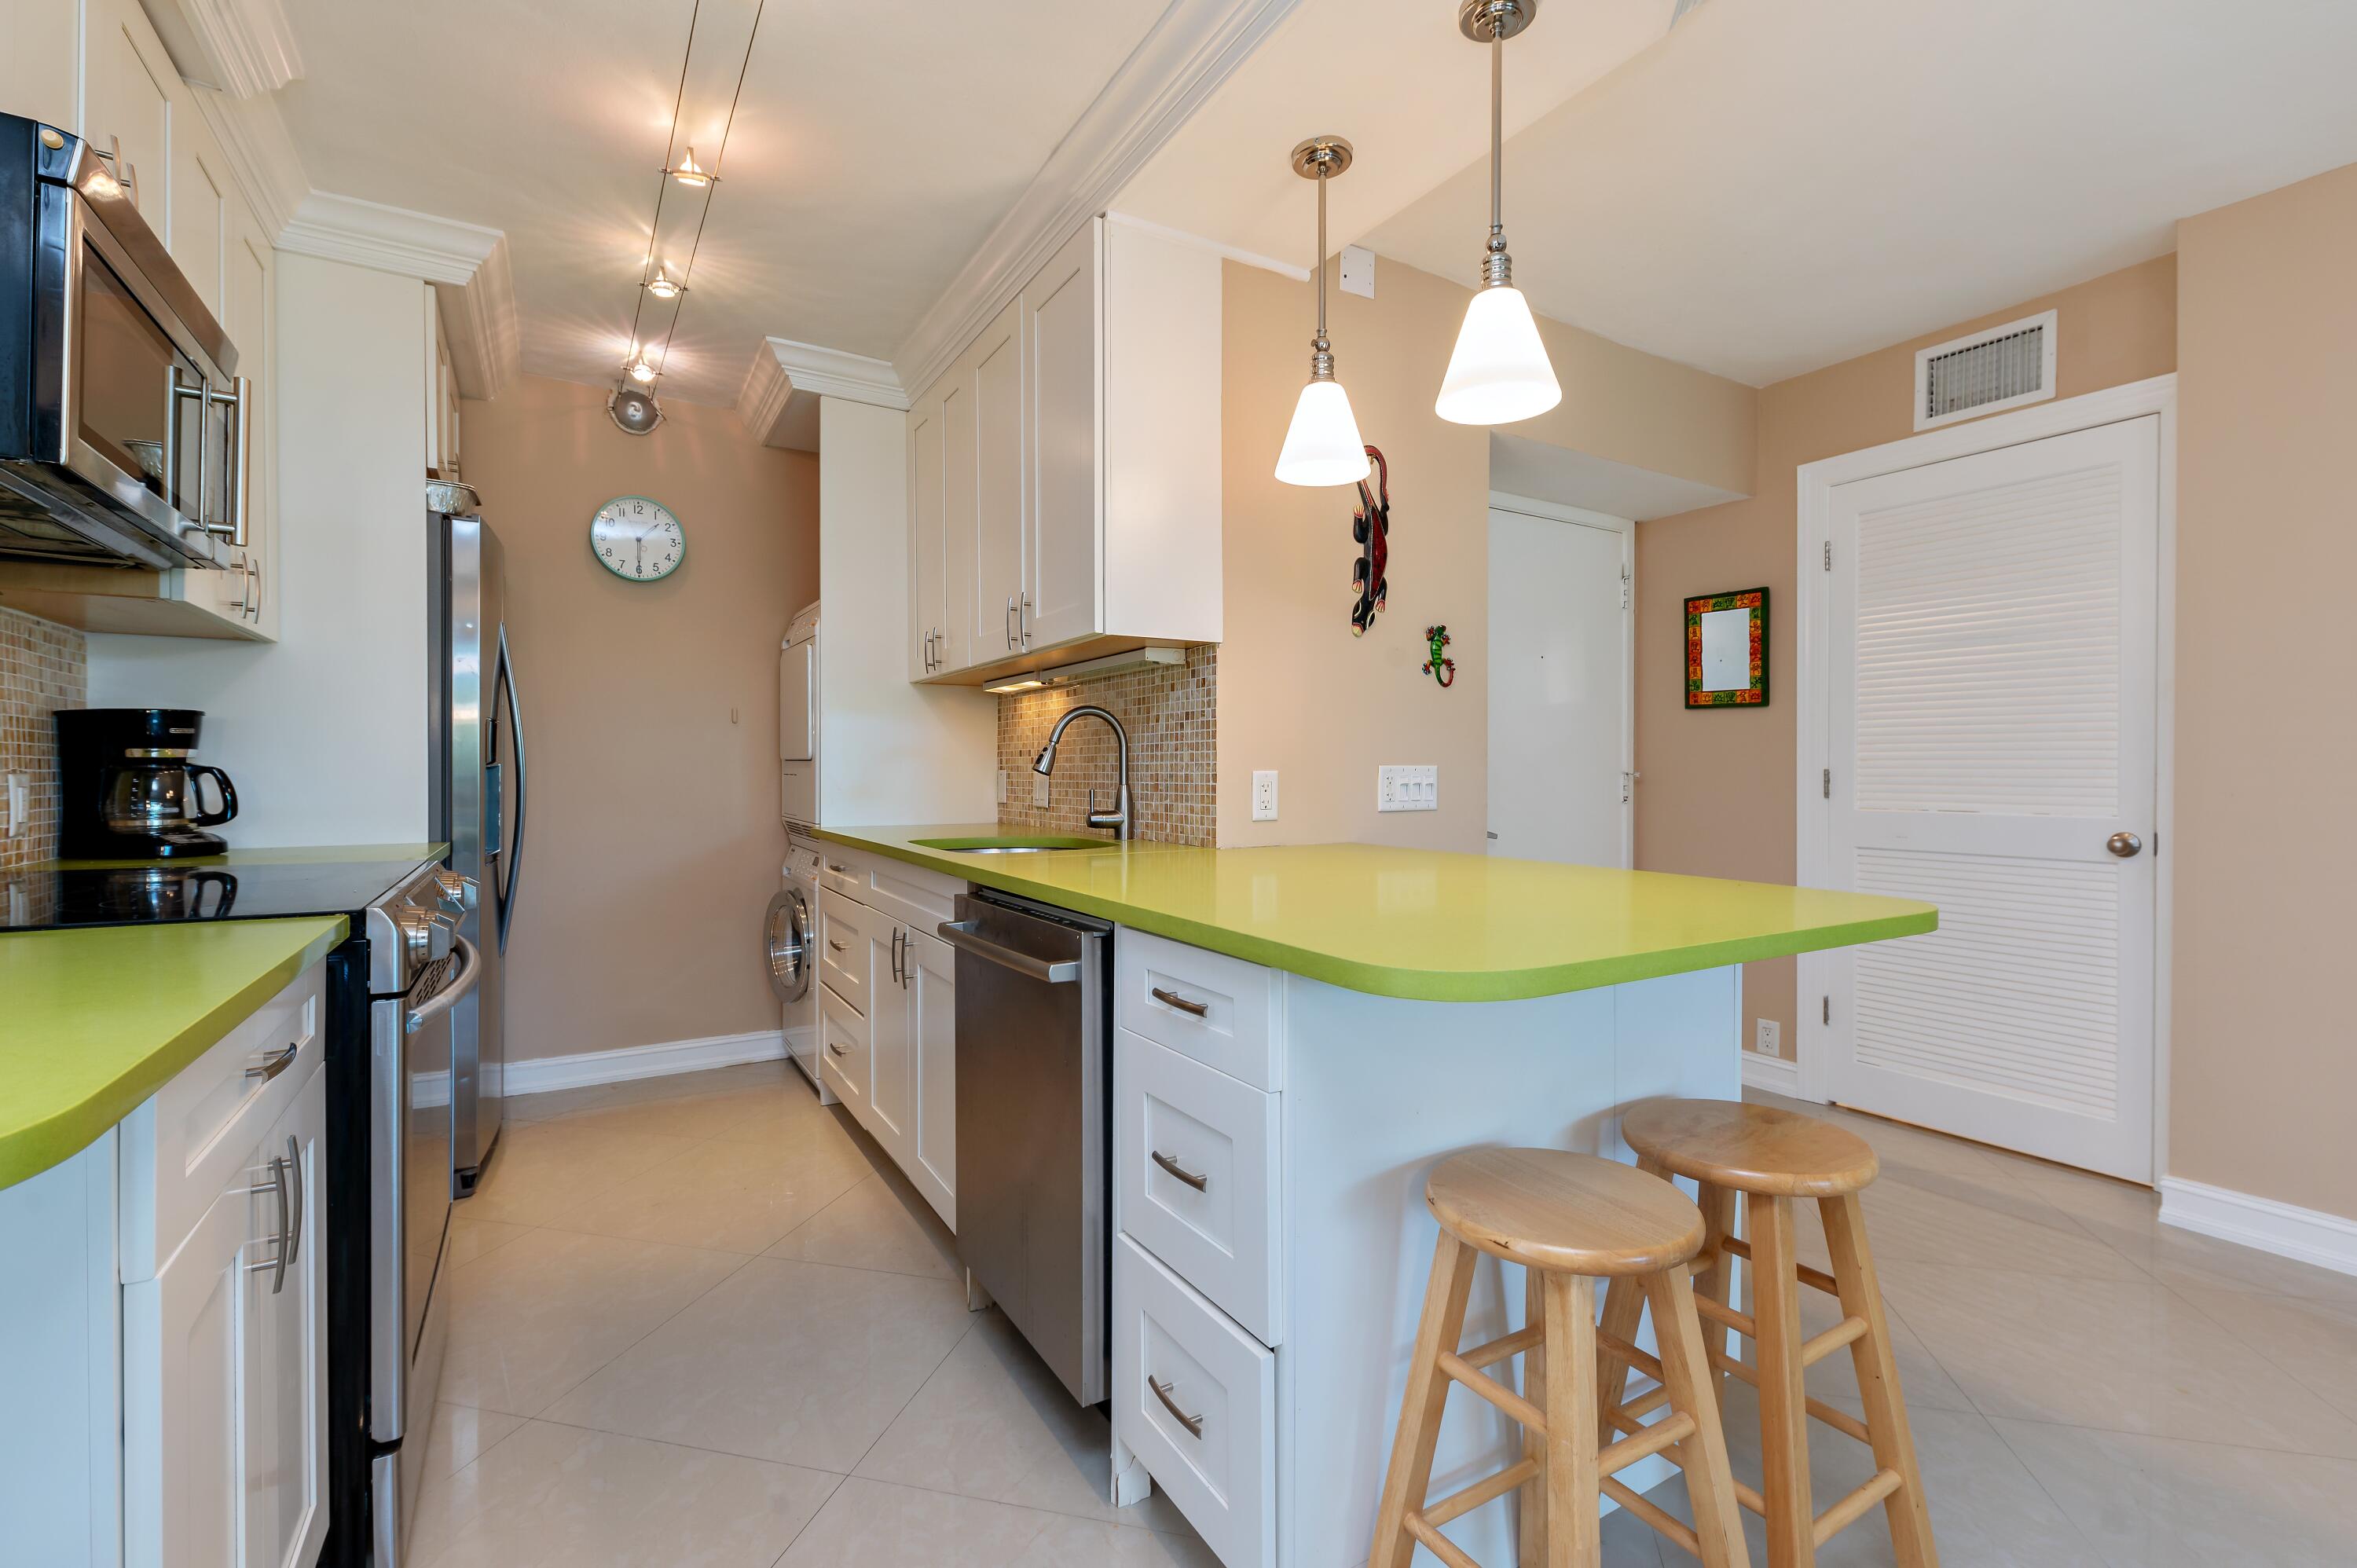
pixel 1118 819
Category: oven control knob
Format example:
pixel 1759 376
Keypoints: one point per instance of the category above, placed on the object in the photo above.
pixel 457 892
pixel 425 938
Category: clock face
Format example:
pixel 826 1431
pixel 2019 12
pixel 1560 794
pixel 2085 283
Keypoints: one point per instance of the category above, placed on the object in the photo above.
pixel 637 539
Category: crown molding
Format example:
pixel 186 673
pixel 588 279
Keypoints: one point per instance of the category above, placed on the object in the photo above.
pixel 786 379
pixel 262 157
pixel 1193 49
pixel 241 48
pixel 1293 270
pixel 466 263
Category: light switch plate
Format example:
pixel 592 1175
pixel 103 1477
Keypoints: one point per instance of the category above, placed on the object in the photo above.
pixel 20 804
pixel 1407 789
pixel 1038 788
pixel 1263 795
pixel 1002 786
pixel 1766 1041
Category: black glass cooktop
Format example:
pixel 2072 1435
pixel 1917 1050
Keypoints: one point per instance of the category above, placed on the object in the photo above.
pixel 256 884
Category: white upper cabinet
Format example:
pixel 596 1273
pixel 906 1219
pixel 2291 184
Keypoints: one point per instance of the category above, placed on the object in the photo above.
pixel 1080 437
pixel 129 86
pixel 926 612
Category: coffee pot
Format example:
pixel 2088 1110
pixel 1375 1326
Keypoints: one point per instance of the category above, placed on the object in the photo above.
pixel 130 791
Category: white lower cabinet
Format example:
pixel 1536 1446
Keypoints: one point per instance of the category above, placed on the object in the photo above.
pixel 1194 1397
pixel 174 1363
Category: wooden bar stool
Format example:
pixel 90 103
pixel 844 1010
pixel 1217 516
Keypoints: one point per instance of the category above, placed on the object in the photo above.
pixel 1569 1219
pixel 1775 1156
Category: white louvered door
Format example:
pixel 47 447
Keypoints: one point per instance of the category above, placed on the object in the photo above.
pixel 1993 726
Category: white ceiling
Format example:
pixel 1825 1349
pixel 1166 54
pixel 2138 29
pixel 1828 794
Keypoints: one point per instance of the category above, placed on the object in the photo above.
pixel 1398 81
pixel 1777 187
pixel 872 151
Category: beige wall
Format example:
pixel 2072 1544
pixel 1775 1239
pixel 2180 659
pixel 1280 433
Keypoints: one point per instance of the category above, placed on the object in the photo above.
pixel 2263 1077
pixel 1716 796
pixel 652 713
pixel 1297 691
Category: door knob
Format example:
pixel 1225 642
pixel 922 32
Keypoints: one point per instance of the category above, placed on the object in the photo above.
pixel 2123 844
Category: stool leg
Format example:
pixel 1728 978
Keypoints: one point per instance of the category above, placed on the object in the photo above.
pixel 1531 1534
pixel 1574 1538
pixel 1624 1308
pixel 1408 1481
pixel 1877 1381
pixel 1710 1485
pixel 1784 1420
pixel 1718 1205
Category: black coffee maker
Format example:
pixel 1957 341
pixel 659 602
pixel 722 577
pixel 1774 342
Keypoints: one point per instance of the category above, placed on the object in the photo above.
pixel 127 789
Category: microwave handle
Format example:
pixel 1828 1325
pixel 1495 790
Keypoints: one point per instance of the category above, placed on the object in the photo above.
pixel 202 396
pixel 240 403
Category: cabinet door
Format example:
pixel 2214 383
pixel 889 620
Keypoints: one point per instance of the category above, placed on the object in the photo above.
pixel 843 1056
pixel 931 1158
pixel 37 60
pixel 128 85
pixel 1062 526
pixel 248 316
pixel 287 1365
pixel 203 194
pixel 961 516
pixel 999 583
pixel 887 1039
pixel 925 501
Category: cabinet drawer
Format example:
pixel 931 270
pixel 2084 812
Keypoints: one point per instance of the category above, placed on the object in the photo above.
pixel 843 1052
pixel 1220 1011
pixel 1195 1397
pixel 842 946
pixel 1198 1177
pixel 181 1147
pixel 914 895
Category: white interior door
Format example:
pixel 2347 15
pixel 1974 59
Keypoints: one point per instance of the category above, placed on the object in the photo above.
pixel 1559 686
pixel 1993 718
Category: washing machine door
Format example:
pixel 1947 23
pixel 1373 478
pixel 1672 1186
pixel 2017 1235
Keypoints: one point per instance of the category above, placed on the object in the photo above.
pixel 786 944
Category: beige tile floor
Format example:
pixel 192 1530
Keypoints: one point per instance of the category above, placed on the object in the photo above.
pixel 698 1321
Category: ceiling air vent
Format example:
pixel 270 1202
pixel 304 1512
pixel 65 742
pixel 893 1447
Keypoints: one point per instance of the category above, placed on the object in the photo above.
pixel 2004 367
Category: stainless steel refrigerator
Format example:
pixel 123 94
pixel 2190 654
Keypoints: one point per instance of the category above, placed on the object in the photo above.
pixel 475 780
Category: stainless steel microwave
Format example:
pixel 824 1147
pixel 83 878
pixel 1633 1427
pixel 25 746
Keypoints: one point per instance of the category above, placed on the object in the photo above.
pixel 124 424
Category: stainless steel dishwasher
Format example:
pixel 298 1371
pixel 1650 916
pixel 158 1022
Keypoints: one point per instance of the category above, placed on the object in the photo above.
pixel 1034 1110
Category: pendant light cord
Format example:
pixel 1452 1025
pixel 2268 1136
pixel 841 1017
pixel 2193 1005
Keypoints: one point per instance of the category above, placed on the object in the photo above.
pixel 1322 346
pixel 1497 135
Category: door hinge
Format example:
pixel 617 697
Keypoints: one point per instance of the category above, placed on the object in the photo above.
pixel 1829 554
pixel 1828 1016
pixel 1829 783
pixel 1624 587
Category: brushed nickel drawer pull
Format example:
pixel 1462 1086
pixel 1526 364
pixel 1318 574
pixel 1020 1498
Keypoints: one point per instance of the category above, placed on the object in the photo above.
pixel 835 945
pixel 1193 1423
pixel 1172 999
pixel 1199 1182
pixel 839 1050
pixel 270 1064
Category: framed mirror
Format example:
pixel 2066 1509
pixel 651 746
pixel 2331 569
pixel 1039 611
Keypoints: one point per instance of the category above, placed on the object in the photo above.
pixel 1727 649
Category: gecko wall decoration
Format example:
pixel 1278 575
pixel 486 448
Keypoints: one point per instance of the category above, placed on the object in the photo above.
pixel 1370 525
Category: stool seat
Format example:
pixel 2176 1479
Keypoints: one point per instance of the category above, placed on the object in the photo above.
pixel 1565 1213
pixel 1751 1148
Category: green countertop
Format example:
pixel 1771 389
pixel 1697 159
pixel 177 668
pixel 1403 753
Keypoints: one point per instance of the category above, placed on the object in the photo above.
pixel 1420 923
pixel 93 1020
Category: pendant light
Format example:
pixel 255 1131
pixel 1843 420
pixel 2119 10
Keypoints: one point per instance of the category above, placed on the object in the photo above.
pixel 1322 445
pixel 1498 372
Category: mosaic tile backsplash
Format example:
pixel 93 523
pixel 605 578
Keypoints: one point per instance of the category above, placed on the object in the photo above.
pixel 43 667
pixel 1171 713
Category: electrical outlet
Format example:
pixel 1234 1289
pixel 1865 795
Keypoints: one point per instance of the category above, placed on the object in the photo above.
pixel 1407 789
pixel 1766 1041
pixel 1263 795
pixel 1002 786
pixel 1038 788
pixel 20 806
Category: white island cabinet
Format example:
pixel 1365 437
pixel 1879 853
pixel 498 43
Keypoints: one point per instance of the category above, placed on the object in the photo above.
pixel 1272 1135
pixel 162 1329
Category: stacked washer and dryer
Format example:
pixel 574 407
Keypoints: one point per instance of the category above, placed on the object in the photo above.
pixel 790 930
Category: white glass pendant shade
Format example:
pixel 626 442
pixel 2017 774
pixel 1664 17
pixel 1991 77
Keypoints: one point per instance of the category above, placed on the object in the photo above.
pixel 1499 371
pixel 1323 447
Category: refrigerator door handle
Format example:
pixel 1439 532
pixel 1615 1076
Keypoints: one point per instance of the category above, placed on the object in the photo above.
pixel 513 877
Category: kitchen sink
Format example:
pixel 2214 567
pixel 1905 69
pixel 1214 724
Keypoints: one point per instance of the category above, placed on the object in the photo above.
pixel 1027 844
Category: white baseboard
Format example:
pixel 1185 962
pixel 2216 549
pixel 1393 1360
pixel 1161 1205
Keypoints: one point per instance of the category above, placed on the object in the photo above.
pixel 1773 1074
pixel 540 1075
pixel 2308 1235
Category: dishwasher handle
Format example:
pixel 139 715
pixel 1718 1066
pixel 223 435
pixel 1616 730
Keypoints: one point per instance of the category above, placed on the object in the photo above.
pixel 960 934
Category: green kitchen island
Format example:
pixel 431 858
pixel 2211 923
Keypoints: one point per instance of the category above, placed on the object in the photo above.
pixel 1298 1035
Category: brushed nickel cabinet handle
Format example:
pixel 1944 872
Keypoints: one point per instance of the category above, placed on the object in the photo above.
pixel 276 1265
pixel 1193 1423
pixel 270 1064
pixel 835 945
pixel 836 1050
pixel 1172 999
pixel 1199 1182
pixel 293 1247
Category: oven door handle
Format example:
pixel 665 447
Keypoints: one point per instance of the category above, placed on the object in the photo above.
pixel 960 934
pixel 442 1001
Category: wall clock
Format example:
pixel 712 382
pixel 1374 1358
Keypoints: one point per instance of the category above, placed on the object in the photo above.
pixel 638 540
